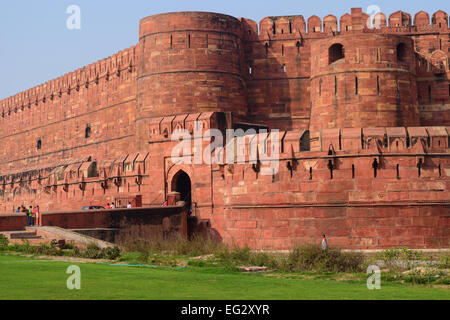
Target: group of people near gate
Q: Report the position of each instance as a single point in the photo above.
(33, 214)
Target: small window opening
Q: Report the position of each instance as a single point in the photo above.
(378, 85)
(284, 68)
(401, 52)
(267, 49)
(189, 41)
(310, 173)
(88, 132)
(282, 50)
(290, 27)
(320, 87)
(356, 85)
(335, 53)
(39, 144)
(335, 86)
(274, 27)
(375, 166)
(298, 46)
(398, 171)
(353, 171)
(429, 94)
(331, 168)
(419, 167)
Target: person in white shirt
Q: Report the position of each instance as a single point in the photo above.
(129, 205)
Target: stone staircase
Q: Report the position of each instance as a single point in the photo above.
(45, 235)
(19, 237)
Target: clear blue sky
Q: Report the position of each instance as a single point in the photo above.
(36, 46)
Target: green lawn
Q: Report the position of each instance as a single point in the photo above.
(22, 278)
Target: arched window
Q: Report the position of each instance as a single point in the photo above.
(87, 132)
(335, 53)
(39, 144)
(401, 52)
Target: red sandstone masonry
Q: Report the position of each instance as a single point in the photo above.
(387, 100)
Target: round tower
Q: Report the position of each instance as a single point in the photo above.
(190, 63)
(363, 80)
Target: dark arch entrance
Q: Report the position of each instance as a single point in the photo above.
(182, 183)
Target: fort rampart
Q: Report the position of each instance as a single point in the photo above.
(363, 114)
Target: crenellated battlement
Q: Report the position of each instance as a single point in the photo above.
(102, 70)
(400, 22)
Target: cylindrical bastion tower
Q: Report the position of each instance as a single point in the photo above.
(190, 62)
(360, 81)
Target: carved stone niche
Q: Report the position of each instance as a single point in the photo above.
(140, 163)
(375, 138)
(166, 127)
(72, 172)
(130, 163)
(291, 142)
(155, 129)
(207, 121)
(179, 122)
(119, 165)
(397, 139)
(191, 121)
(331, 137)
(439, 62)
(418, 135)
(351, 139)
(438, 138)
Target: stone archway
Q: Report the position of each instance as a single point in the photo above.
(181, 182)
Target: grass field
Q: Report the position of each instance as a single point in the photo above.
(25, 278)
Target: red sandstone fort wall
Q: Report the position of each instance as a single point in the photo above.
(101, 97)
(382, 109)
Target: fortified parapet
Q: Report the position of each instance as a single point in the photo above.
(191, 62)
(363, 80)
